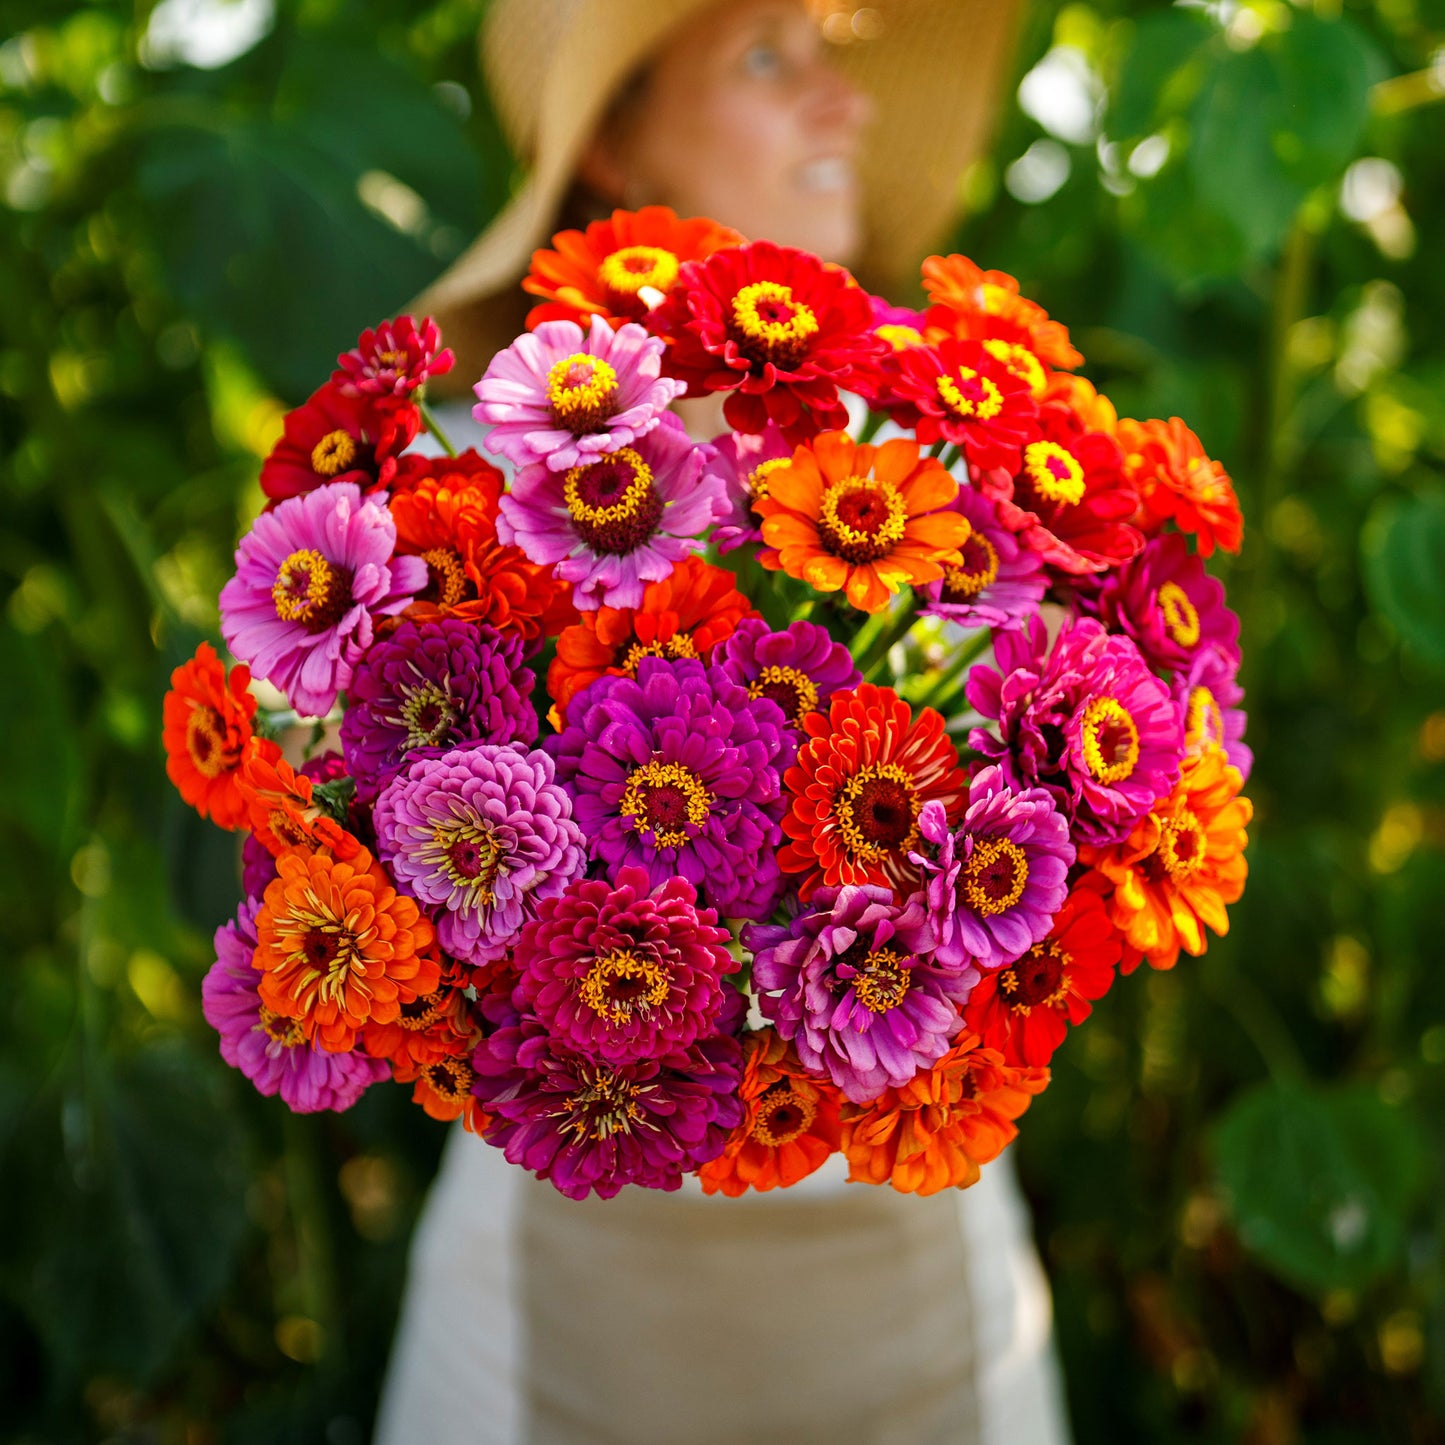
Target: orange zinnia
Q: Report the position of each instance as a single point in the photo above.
(339, 947)
(206, 732)
(937, 1130)
(432, 1026)
(280, 810)
(790, 1126)
(1183, 861)
(685, 615)
(865, 519)
(973, 304)
(607, 269)
(1175, 480)
(444, 1090)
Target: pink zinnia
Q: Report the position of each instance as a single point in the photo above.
(743, 461)
(394, 360)
(997, 584)
(310, 577)
(560, 398)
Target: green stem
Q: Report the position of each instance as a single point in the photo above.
(950, 457)
(871, 427)
(899, 621)
(943, 689)
(315, 1253)
(938, 448)
(430, 421)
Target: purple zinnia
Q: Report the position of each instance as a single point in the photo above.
(799, 669)
(998, 583)
(589, 1126)
(679, 771)
(310, 577)
(623, 971)
(430, 686)
(1208, 697)
(562, 399)
(850, 983)
(271, 1051)
(742, 463)
(611, 526)
(995, 882)
(258, 866)
(1086, 719)
(479, 836)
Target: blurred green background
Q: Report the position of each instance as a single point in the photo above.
(1239, 210)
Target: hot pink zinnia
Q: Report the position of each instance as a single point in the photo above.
(394, 360)
(310, 577)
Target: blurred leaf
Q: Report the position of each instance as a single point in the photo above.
(1404, 560)
(1163, 43)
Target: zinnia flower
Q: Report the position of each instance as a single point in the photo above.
(1086, 719)
(559, 398)
(443, 1087)
(935, 1131)
(900, 326)
(850, 984)
(283, 812)
(799, 669)
(859, 784)
(1208, 697)
(1183, 861)
(995, 881)
(745, 461)
(432, 1026)
(985, 305)
(269, 1049)
(1177, 482)
(1024, 1011)
(777, 329)
(338, 947)
(479, 836)
(997, 583)
(863, 520)
(611, 526)
(789, 1128)
(623, 971)
(207, 728)
(619, 268)
(429, 686)
(677, 771)
(396, 359)
(311, 577)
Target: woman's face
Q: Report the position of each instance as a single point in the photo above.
(744, 119)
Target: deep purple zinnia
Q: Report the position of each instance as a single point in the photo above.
(995, 882)
(850, 982)
(593, 1127)
(1085, 719)
(679, 771)
(1208, 696)
(271, 1051)
(743, 462)
(479, 836)
(997, 583)
(430, 686)
(611, 526)
(623, 971)
(310, 577)
(799, 669)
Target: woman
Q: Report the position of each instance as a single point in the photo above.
(824, 1312)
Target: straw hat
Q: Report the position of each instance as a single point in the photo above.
(932, 67)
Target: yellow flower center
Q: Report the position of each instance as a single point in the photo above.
(446, 576)
(861, 519)
(206, 741)
(994, 876)
(1110, 740)
(612, 502)
(451, 1078)
(427, 713)
(881, 982)
(678, 645)
(970, 396)
(333, 453)
(582, 391)
(627, 271)
(602, 1106)
(1020, 361)
(322, 947)
(1203, 719)
(283, 1031)
(793, 691)
(309, 590)
(620, 985)
(783, 1114)
(1055, 473)
(468, 855)
(877, 811)
(1181, 617)
(1037, 980)
(667, 800)
(1181, 848)
(422, 1012)
(773, 326)
(760, 474)
(979, 570)
(900, 338)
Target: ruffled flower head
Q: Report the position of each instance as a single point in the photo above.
(745, 461)
(432, 1026)
(396, 359)
(1177, 482)
(997, 582)
(283, 810)
(311, 578)
(799, 669)
(970, 303)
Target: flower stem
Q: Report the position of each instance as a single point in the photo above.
(895, 626)
(430, 422)
(871, 427)
(943, 689)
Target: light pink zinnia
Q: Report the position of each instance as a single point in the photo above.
(310, 576)
(561, 399)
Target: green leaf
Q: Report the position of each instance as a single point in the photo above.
(1163, 44)
(1403, 543)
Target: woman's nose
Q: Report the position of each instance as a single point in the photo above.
(838, 106)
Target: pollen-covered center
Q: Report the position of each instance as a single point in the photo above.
(283, 1031)
(1054, 473)
(206, 741)
(603, 1104)
(469, 855)
(423, 1011)
(680, 644)
(1020, 361)
(1182, 844)
(861, 519)
(969, 396)
(582, 392)
(446, 577)
(977, 570)
(994, 876)
(333, 454)
(624, 984)
(877, 811)
(770, 325)
(880, 977)
(793, 691)
(324, 947)
(1037, 980)
(900, 338)
(782, 1115)
(428, 713)
(625, 272)
(310, 590)
(1110, 740)
(451, 1078)
(1181, 617)
(759, 477)
(1203, 718)
(666, 800)
(613, 502)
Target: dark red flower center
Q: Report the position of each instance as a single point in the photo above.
(794, 691)
(451, 1078)
(667, 800)
(423, 1011)
(782, 1115)
(613, 503)
(1037, 979)
(861, 519)
(311, 591)
(770, 326)
(877, 810)
(446, 577)
(206, 741)
(979, 569)
(604, 1104)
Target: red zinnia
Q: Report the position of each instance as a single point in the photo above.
(857, 789)
(1175, 480)
(394, 360)
(986, 305)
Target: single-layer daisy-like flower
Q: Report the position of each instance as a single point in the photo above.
(799, 669)
(429, 686)
(678, 771)
(1085, 719)
(336, 437)
(432, 1026)
(396, 359)
(1024, 1011)
(560, 398)
(444, 1088)
(623, 971)
(479, 836)
(900, 326)
(611, 526)
(778, 330)
(851, 985)
(1208, 696)
(1177, 482)
(593, 1127)
(860, 782)
(338, 946)
(618, 268)
(863, 520)
(311, 578)
(789, 1128)
(745, 461)
(283, 811)
(935, 1131)
(986, 305)
(207, 729)
(997, 583)
(996, 880)
(1183, 861)
(685, 615)
(269, 1049)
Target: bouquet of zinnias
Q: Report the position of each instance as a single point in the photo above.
(669, 817)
